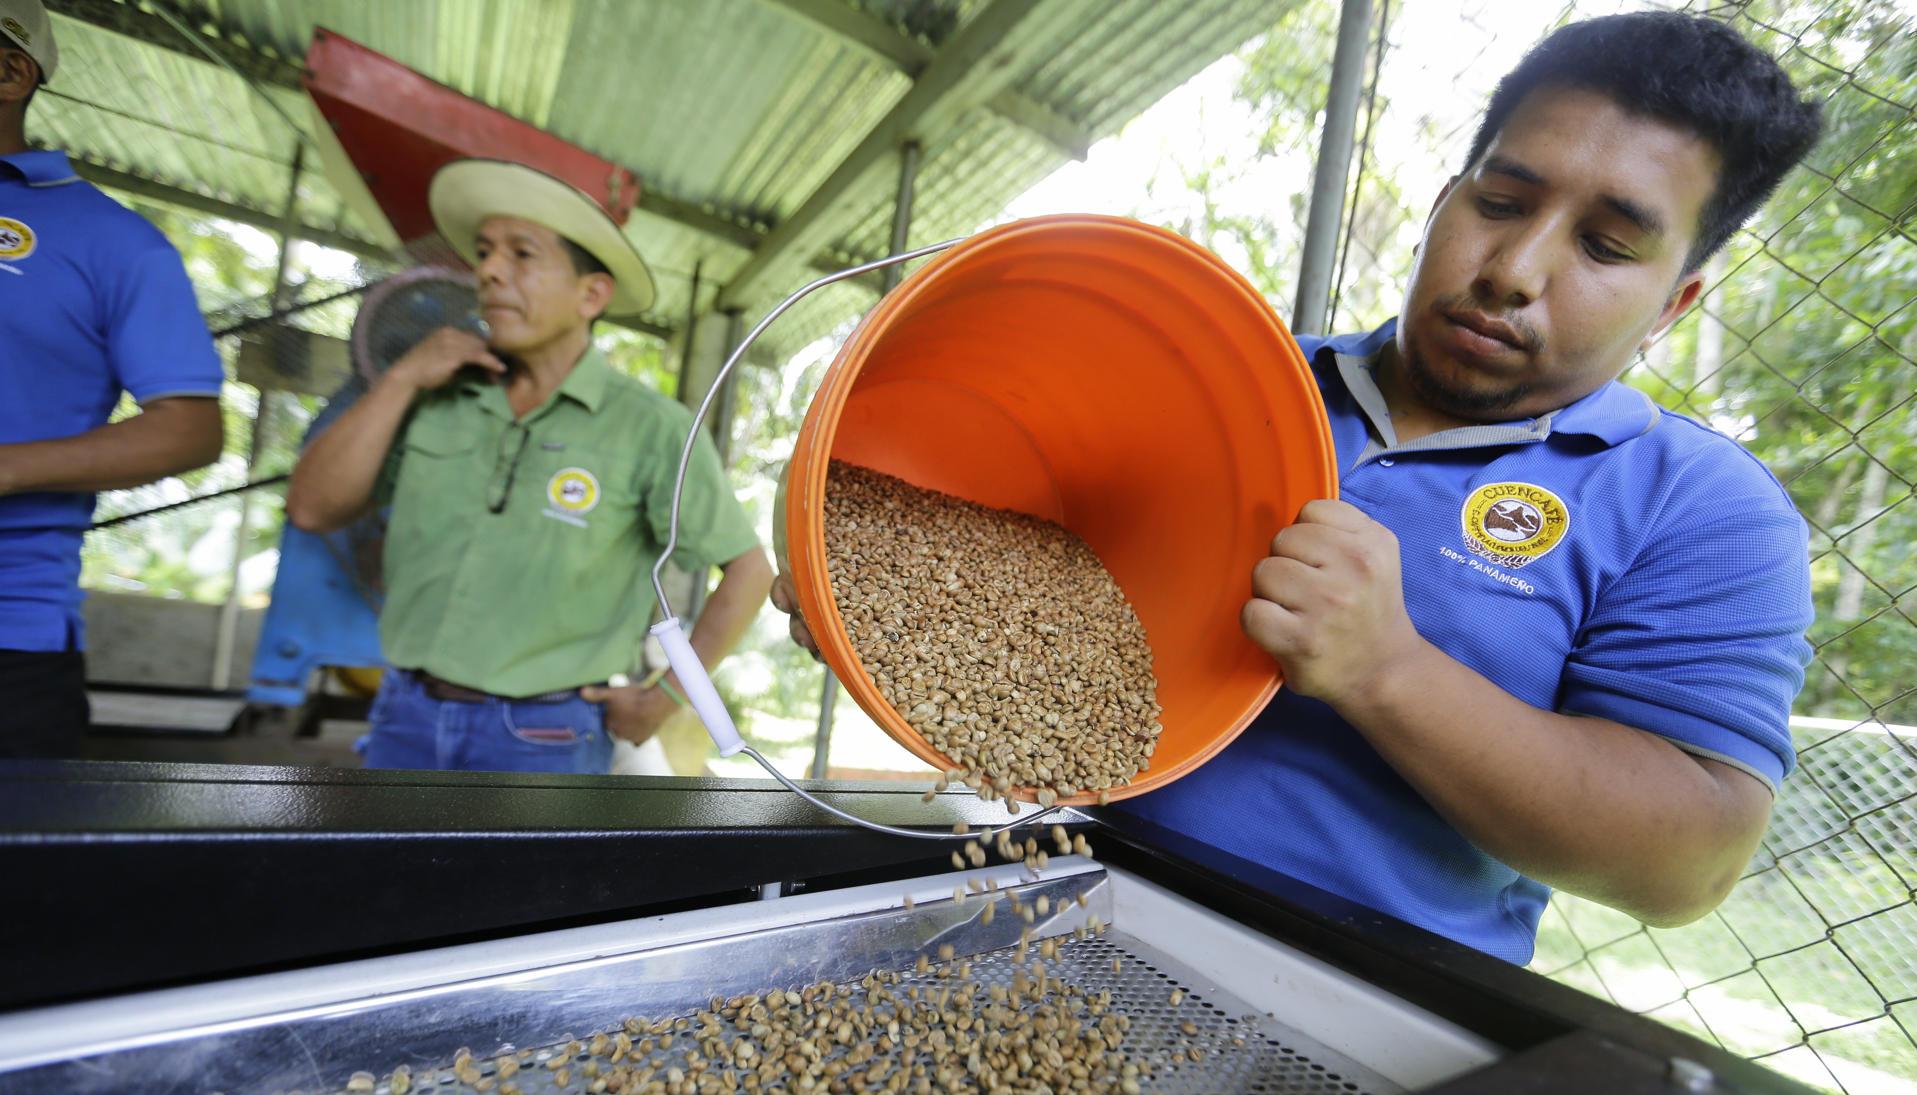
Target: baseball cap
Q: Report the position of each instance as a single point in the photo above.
(24, 23)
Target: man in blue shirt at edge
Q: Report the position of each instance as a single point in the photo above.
(93, 300)
(1550, 635)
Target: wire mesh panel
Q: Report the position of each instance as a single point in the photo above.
(154, 539)
(1803, 348)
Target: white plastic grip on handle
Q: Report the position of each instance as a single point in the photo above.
(697, 686)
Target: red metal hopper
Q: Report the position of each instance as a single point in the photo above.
(386, 128)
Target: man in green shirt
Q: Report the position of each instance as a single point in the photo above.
(531, 491)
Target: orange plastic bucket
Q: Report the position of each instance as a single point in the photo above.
(1107, 375)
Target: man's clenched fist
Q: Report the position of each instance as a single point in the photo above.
(1329, 603)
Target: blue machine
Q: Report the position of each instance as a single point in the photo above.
(327, 593)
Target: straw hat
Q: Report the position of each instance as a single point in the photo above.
(466, 192)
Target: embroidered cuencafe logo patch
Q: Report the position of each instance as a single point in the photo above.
(1514, 524)
(571, 493)
(16, 239)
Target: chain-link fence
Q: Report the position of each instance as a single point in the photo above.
(1804, 348)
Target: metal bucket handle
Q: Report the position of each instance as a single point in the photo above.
(693, 678)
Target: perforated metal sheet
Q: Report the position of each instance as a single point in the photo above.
(1238, 1052)
(1242, 1052)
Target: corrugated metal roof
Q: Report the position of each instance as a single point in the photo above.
(735, 109)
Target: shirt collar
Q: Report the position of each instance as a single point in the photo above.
(39, 167)
(1363, 345)
(1613, 414)
(585, 385)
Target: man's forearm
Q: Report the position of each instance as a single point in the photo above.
(1583, 804)
(335, 478)
(732, 607)
(167, 437)
(636, 711)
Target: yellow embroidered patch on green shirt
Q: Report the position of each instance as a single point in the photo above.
(519, 554)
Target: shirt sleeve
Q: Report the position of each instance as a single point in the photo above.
(1702, 641)
(713, 528)
(156, 341)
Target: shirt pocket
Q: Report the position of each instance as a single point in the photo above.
(439, 471)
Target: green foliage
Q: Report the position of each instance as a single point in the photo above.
(1818, 338)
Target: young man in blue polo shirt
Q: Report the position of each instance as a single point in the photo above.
(1550, 635)
(93, 301)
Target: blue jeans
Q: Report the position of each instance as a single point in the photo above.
(411, 729)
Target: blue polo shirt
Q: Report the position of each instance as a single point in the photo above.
(1609, 559)
(93, 301)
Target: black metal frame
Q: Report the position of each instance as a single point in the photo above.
(132, 876)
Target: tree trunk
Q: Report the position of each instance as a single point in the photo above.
(1825, 516)
(1658, 360)
(1856, 547)
(1707, 370)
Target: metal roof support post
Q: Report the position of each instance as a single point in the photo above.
(984, 57)
(289, 224)
(685, 394)
(227, 634)
(723, 411)
(904, 53)
(902, 212)
(822, 744)
(721, 425)
(699, 362)
(1334, 165)
(709, 337)
(901, 230)
(715, 334)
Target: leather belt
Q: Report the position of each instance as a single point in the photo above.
(441, 689)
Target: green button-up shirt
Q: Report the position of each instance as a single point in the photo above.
(519, 553)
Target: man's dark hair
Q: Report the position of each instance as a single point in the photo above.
(1687, 70)
(583, 261)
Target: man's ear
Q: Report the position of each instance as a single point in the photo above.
(595, 295)
(18, 75)
(1683, 295)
